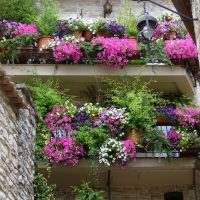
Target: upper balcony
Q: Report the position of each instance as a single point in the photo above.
(168, 79)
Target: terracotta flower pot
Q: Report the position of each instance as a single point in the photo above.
(43, 40)
(133, 135)
(171, 35)
(164, 121)
(78, 34)
(134, 41)
(88, 35)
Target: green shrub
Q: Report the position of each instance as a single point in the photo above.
(18, 10)
(42, 191)
(84, 192)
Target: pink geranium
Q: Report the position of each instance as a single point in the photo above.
(115, 51)
(63, 149)
(181, 49)
(67, 51)
(23, 29)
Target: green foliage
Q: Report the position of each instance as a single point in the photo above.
(155, 53)
(18, 10)
(12, 46)
(42, 191)
(136, 97)
(90, 51)
(46, 18)
(43, 134)
(46, 94)
(86, 193)
(92, 139)
(179, 100)
(155, 140)
(128, 20)
(189, 137)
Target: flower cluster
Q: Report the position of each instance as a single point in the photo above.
(181, 49)
(67, 51)
(114, 119)
(91, 110)
(23, 29)
(63, 149)
(68, 27)
(112, 27)
(80, 119)
(7, 27)
(58, 121)
(115, 51)
(173, 138)
(167, 111)
(116, 152)
(188, 115)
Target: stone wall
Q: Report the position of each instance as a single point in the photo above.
(196, 14)
(144, 193)
(91, 9)
(17, 134)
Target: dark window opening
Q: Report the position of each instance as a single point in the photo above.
(173, 196)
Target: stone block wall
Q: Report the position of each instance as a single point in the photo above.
(91, 9)
(144, 193)
(17, 134)
(196, 14)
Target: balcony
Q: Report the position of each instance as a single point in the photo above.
(169, 79)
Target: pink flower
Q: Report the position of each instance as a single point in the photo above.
(181, 49)
(129, 148)
(67, 51)
(63, 149)
(188, 115)
(23, 29)
(115, 51)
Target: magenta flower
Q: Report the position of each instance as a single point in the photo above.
(173, 138)
(23, 29)
(181, 49)
(115, 51)
(57, 120)
(129, 148)
(63, 149)
(67, 51)
(188, 115)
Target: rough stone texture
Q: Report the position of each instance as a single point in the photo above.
(17, 134)
(144, 193)
(92, 9)
(196, 14)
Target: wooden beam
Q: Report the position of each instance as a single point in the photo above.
(185, 7)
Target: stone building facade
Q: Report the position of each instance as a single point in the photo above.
(17, 135)
(92, 9)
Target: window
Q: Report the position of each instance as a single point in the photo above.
(173, 196)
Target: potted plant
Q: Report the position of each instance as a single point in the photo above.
(166, 115)
(116, 52)
(116, 152)
(180, 50)
(155, 53)
(89, 31)
(45, 21)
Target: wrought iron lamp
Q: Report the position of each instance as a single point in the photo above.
(146, 24)
(107, 8)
